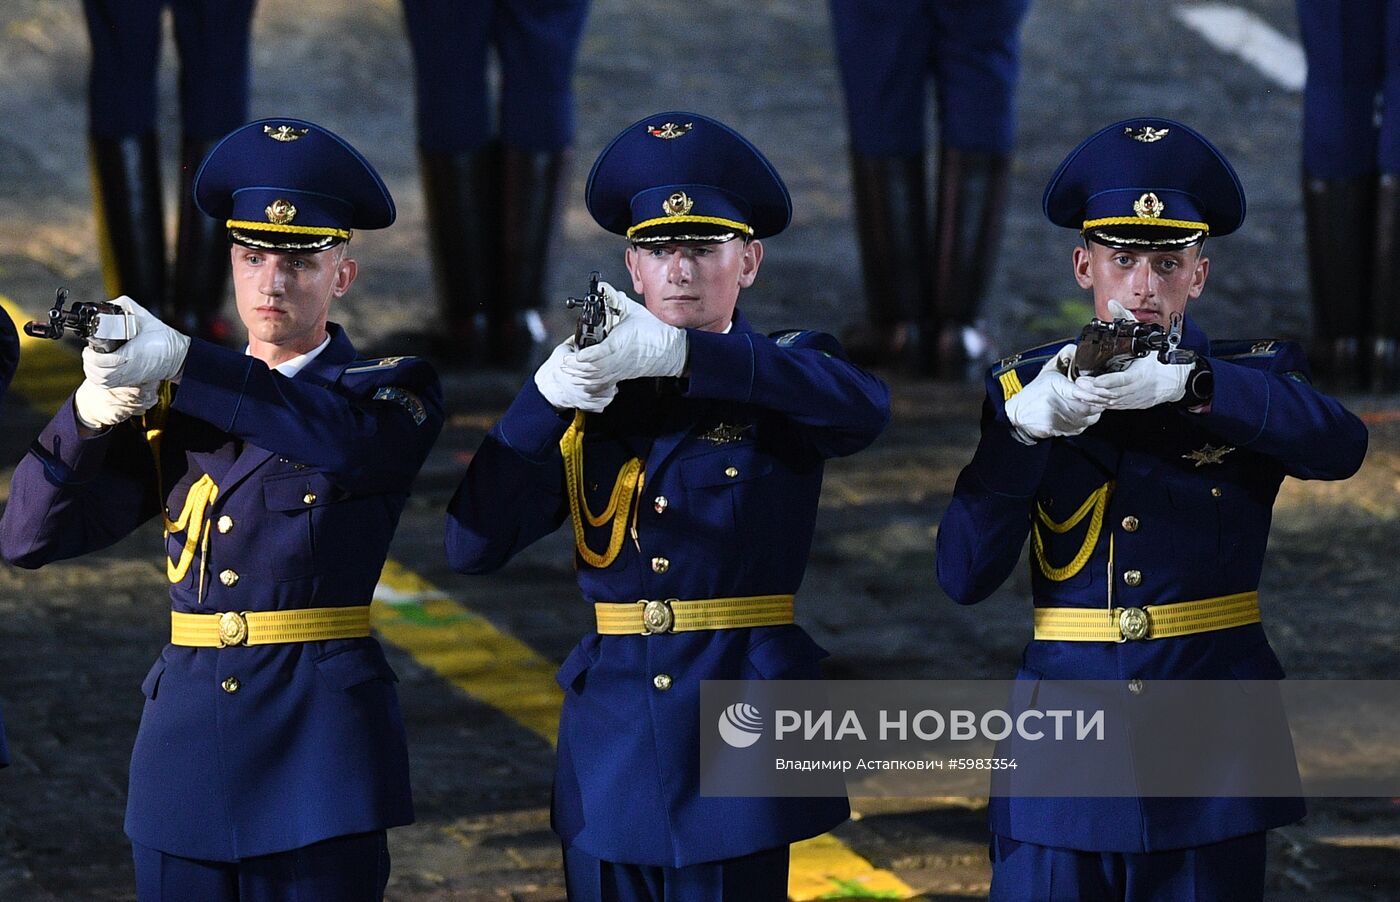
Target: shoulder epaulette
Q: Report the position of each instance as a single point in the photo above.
(1008, 370)
(1236, 348)
(1038, 354)
(370, 366)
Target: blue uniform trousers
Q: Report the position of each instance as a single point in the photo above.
(212, 39)
(351, 868)
(1353, 52)
(887, 51)
(536, 43)
(759, 877)
(1025, 872)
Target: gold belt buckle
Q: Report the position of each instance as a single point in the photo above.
(657, 616)
(233, 629)
(1133, 624)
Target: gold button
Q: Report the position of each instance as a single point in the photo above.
(225, 523)
(660, 564)
(1215, 491)
(1133, 577)
(660, 503)
(1130, 523)
(309, 497)
(1135, 686)
(662, 681)
(231, 685)
(228, 578)
(731, 472)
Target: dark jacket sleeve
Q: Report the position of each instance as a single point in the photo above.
(513, 490)
(371, 438)
(1271, 408)
(986, 523)
(802, 375)
(71, 495)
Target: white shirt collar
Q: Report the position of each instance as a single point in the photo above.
(290, 368)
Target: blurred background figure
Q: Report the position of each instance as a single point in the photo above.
(1351, 189)
(492, 170)
(922, 297)
(212, 39)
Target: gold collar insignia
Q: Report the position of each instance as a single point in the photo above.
(1208, 455)
(724, 434)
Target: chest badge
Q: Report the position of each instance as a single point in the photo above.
(1208, 455)
(725, 434)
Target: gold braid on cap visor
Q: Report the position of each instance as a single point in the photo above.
(1143, 221)
(287, 229)
(706, 220)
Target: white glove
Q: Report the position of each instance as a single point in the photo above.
(568, 392)
(156, 353)
(97, 407)
(640, 346)
(1049, 406)
(1146, 382)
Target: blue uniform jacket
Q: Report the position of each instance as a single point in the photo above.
(1192, 529)
(733, 471)
(9, 362)
(313, 472)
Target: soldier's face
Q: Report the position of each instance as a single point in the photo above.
(1152, 285)
(284, 297)
(691, 284)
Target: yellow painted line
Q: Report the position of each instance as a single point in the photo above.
(48, 371)
(824, 867)
(467, 651)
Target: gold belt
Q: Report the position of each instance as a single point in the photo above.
(672, 615)
(1160, 621)
(268, 627)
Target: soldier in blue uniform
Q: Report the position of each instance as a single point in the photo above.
(492, 171)
(1351, 188)
(212, 37)
(922, 298)
(1148, 495)
(9, 362)
(688, 450)
(271, 754)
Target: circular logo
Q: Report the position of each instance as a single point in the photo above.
(740, 725)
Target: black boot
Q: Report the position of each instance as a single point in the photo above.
(1341, 225)
(891, 227)
(130, 224)
(971, 207)
(1384, 341)
(460, 192)
(530, 205)
(201, 260)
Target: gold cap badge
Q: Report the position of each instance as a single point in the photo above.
(1146, 133)
(281, 212)
(284, 132)
(677, 204)
(1148, 206)
(669, 130)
